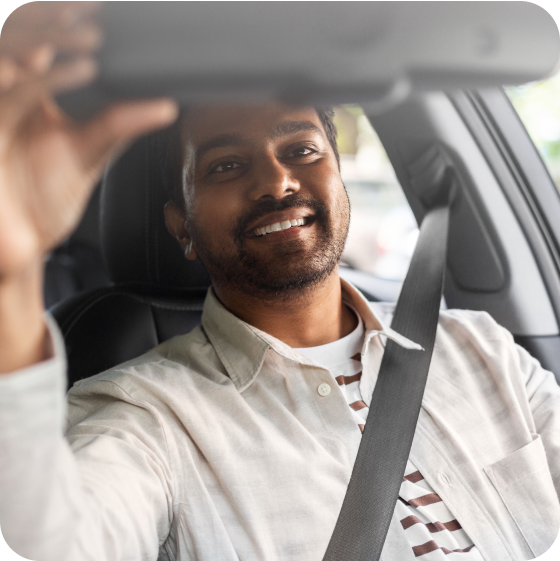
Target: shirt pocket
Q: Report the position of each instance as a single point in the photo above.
(524, 483)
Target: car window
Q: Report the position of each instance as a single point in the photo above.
(538, 106)
(383, 230)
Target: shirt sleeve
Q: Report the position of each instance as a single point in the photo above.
(103, 493)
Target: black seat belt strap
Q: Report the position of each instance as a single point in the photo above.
(374, 486)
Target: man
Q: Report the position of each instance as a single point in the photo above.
(237, 441)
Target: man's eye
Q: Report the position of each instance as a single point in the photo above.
(302, 151)
(225, 166)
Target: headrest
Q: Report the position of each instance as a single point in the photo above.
(135, 242)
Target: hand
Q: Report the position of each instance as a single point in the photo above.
(49, 164)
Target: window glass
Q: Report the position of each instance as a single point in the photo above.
(383, 230)
(538, 106)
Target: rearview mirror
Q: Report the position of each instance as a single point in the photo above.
(315, 52)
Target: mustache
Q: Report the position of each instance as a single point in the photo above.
(266, 206)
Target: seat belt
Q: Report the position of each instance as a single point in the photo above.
(378, 472)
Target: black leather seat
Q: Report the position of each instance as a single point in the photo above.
(73, 267)
(76, 264)
(156, 294)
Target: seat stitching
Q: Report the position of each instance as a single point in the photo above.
(178, 307)
(93, 297)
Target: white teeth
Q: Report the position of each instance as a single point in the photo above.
(279, 226)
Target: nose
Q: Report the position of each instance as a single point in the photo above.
(272, 180)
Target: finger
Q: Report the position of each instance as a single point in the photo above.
(8, 73)
(71, 75)
(66, 25)
(62, 14)
(40, 63)
(119, 124)
(41, 59)
(85, 37)
(73, 12)
(18, 101)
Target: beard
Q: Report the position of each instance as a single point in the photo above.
(287, 270)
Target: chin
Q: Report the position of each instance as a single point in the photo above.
(286, 281)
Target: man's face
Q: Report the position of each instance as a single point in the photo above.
(255, 169)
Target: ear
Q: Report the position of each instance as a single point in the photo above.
(175, 221)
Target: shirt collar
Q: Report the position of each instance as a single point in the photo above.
(242, 347)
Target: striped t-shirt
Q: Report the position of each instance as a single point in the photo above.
(432, 531)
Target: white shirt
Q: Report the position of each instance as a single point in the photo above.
(216, 445)
(433, 533)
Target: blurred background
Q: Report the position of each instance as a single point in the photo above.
(383, 231)
(538, 105)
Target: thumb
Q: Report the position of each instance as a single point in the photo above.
(101, 137)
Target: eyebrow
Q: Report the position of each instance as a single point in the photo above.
(291, 127)
(220, 141)
(236, 139)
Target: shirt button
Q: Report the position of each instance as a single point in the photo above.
(324, 390)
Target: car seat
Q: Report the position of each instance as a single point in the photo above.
(156, 293)
(76, 264)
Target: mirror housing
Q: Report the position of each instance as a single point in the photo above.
(374, 53)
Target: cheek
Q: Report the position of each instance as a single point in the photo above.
(340, 210)
(212, 217)
(324, 182)
(337, 199)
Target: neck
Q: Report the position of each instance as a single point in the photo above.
(309, 319)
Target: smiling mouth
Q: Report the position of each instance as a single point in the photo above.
(280, 226)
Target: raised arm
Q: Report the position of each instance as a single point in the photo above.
(109, 498)
(49, 164)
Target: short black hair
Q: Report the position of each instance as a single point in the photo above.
(170, 146)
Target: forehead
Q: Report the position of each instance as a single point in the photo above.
(203, 122)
